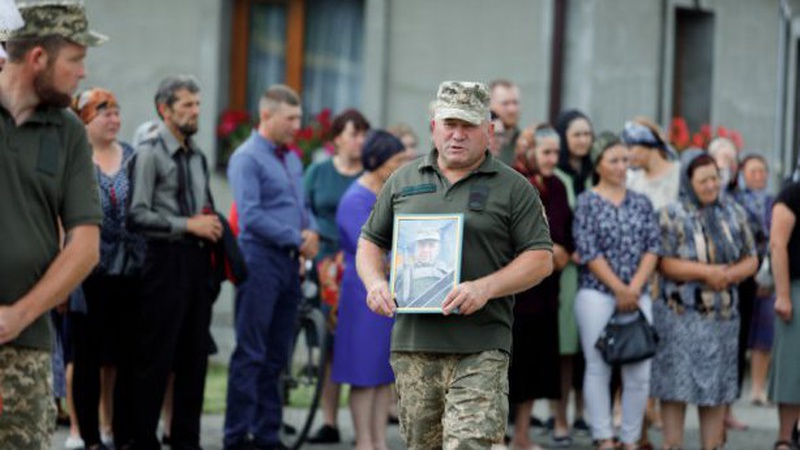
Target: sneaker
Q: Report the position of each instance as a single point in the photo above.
(580, 426)
(73, 443)
(326, 434)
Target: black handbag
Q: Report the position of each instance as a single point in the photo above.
(627, 338)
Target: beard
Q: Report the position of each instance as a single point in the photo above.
(45, 89)
(187, 129)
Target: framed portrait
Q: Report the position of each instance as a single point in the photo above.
(426, 260)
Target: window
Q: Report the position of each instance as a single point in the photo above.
(694, 52)
(314, 46)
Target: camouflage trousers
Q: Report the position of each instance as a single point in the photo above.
(452, 401)
(28, 416)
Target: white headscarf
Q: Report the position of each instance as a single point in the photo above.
(9, 19)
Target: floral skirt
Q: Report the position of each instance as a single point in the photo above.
(696, 359)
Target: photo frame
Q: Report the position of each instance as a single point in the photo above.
(426, 260)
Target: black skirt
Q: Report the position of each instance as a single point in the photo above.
(534, 372)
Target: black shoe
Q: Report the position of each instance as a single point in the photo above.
(245, 444)
(581, 427)
(288, 429)
(165, 440)
(326, 434)
(536, 422)
(550, 424)
(393, 420)
(796, 434)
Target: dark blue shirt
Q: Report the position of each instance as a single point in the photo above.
(621, 234)
(268, 190)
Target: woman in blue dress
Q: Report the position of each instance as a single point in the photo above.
(363, 337)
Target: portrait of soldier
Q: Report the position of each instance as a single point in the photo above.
(425, 280)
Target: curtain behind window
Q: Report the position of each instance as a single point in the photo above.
(332, 72)
(267, 52)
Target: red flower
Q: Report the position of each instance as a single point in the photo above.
(722, 132)
(679, 135)
(736, 137)
(705, 130)
(698, 140)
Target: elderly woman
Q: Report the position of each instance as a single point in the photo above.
(708, 249)
(363, 338)
(757, 202)
(99, 334)
(618, 243)
(534, 370)
(784, 242)
(574, 169)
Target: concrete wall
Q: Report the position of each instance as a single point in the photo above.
(611, 60)
(413, 45)
(150, 40)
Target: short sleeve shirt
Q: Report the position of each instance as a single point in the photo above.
(46, 174)
(503, 217)
(620, 234)
(790, 196)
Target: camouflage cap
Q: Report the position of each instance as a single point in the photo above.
(602, 142)
(427, 234)
(65, 19)
(464, 100)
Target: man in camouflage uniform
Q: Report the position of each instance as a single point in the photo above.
(46, 179)
(417, 283)
(452, 369)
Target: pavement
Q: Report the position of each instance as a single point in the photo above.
(760, 435)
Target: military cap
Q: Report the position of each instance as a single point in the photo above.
(427, 235)
(55, 18)
(464, 100)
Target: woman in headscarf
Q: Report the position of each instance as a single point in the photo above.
(575, 171)
(101, 336)
(362, 341)
(534, 370)
(708, 249)
(757, 202)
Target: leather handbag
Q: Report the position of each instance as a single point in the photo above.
(627, 338)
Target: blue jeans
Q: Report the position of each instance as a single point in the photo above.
(266, 310)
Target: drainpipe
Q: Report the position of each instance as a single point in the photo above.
(557, 57)
(664, 121)
(784, 16)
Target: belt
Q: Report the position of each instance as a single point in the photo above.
(291, 252)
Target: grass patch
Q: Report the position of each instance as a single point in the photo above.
(217, 389)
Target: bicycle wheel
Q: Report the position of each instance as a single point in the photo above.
(303, 379)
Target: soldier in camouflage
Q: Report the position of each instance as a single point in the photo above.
(451, 369)
(46, 179)
(416, 280)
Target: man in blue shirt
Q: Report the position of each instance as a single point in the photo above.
(277, 229)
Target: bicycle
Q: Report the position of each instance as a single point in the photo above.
(303, 377)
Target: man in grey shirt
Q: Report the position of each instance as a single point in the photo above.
(171, 206)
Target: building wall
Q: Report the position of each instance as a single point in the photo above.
(413, 45)
(150, 40)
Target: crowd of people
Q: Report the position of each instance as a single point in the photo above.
(565, 227)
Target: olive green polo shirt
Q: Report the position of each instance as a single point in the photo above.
(503, 217)
(46, 173)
